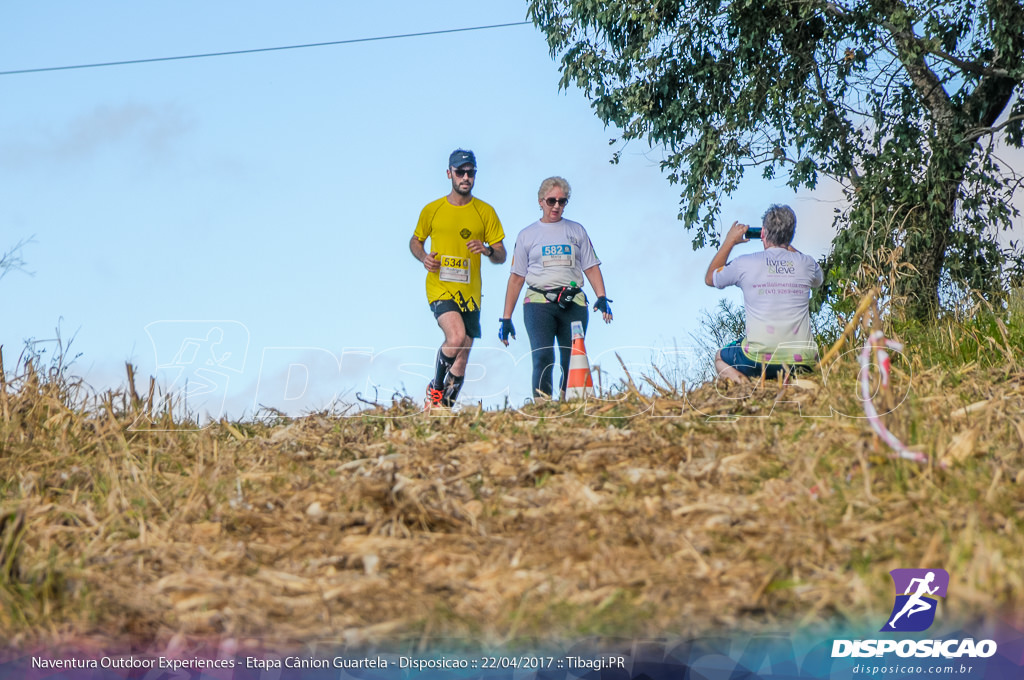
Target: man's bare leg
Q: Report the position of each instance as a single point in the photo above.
(456, 347)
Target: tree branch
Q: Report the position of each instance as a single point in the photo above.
(978, 133)
(925, 81)
(12, 260)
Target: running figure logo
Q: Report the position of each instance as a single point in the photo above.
(196, 361)
(916, 593)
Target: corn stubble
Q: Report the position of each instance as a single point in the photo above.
(654, 511)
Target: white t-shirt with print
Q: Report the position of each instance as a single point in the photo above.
(776, 285)
(553, 254)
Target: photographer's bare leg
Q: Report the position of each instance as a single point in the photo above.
(727, 371)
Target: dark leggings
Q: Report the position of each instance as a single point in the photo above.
(546, 321)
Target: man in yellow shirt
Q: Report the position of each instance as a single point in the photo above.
(458, 226)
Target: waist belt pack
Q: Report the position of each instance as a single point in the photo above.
(563, 296)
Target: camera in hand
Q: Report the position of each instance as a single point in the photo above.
(752, 233)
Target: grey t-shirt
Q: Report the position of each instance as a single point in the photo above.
(553, 254)
(776, 285)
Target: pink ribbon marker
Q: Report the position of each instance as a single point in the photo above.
(879, 342)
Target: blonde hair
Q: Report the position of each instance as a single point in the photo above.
(552, 182)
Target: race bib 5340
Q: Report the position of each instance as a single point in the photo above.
(454, 269)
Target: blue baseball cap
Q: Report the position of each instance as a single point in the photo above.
(460, 157)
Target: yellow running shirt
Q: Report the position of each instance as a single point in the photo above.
(449, 227)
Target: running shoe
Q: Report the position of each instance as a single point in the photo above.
(434, 396)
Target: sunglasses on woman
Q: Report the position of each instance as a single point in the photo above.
(552, 201)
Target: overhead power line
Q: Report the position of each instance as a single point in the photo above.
(259, 49)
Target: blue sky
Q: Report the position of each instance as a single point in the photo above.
(242, 222)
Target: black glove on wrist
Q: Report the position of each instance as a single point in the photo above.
(506, 330)
(602, 305)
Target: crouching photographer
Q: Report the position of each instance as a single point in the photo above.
(776, 285)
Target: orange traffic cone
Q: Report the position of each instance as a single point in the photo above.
(580, 384)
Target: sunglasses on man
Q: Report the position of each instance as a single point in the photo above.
(459, 172)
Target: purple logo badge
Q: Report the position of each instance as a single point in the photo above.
(917, 591)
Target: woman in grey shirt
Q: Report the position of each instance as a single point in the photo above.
(551, 258)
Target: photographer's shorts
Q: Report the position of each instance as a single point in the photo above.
(734, 355)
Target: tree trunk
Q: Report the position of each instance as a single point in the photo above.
(929, 233)
(925, 251)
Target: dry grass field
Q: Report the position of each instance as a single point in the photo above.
(658, 510)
